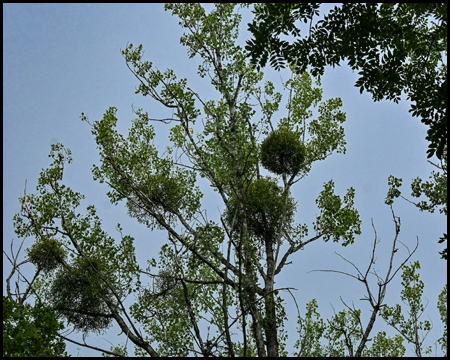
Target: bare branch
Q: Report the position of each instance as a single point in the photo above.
(89, 346)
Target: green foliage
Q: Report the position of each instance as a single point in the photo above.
(337, 221)
(202, 261)
(165, 324)
(393, 192)
(80, 295)
(212, 275)
(327, 133)
(30, 331)
(344, 329)
(340, 335)
(282, 152)
(311, 330)
(442, 307)
(118, 351)
(47, 254)
(163, 188)
(84, 288)
(412, 296)
(386, 346)
(434, 190)
(266, 206)
(396, 48)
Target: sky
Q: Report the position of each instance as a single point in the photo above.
(60, 60)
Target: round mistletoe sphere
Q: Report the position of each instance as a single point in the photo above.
(46, 254)
(282, 152)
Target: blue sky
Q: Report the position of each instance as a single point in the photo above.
(60, 60)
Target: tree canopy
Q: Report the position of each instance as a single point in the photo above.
(211, 290)
(397, 48)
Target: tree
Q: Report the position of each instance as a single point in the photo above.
(212, 291)
(394, 47)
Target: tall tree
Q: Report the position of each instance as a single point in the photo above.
(396, 48)
(212, 290)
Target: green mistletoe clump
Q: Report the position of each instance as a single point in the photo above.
(265, 205)
(282, 152)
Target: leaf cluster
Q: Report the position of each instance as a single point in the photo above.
(30, 331)
(266, 206)
(338, 218)
(435, 190)
(411, 294)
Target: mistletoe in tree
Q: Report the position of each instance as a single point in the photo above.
(216, 274)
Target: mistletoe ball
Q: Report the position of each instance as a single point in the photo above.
(265, 207)
(282, 152)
